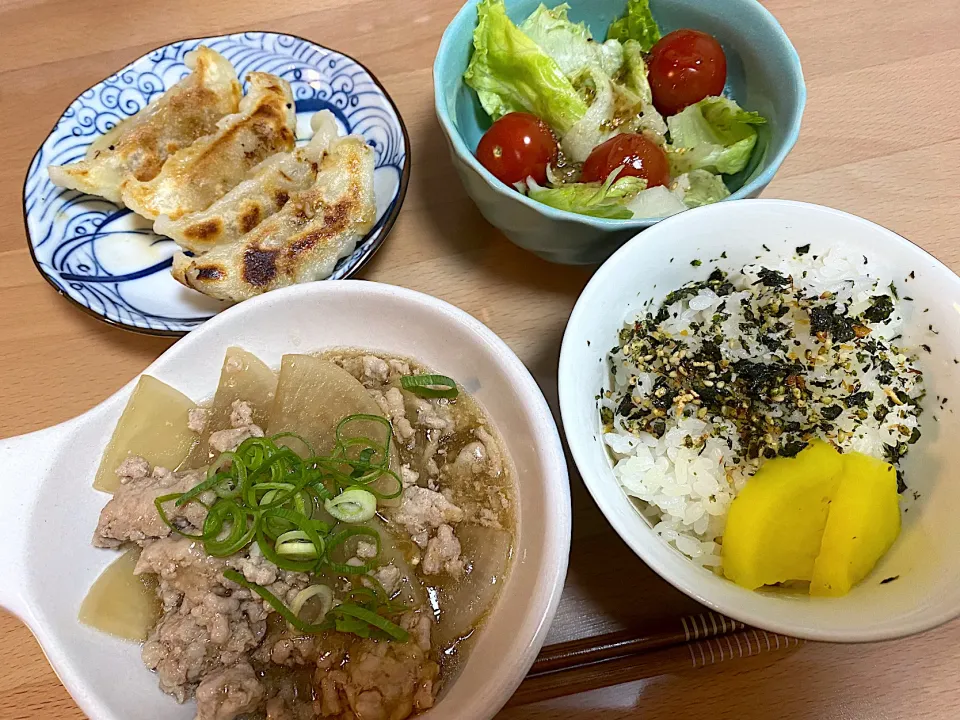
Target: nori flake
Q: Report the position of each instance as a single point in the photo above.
(792, 447)
(901, 485)
(832, 412)
(880, 309)
(858, 399)
(771, 278)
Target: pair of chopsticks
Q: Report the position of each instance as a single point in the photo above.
(596, 662)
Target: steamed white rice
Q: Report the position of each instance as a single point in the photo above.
(686, 478)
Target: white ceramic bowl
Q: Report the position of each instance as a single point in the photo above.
(50, 510)
(926, 556)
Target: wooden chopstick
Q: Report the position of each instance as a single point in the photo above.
(585, 651)
(604, 660)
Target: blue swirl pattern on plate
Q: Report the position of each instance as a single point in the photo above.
(108, 260)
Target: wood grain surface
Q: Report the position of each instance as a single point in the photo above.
(881, 138)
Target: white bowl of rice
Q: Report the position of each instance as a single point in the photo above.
(847, 331)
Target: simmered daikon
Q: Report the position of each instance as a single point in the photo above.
(464, 602)
(244, 377)
(121, 603)
(313, 396)
(153, 426)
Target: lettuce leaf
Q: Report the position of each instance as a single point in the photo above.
(637, 24)
(510, 72)
(634, 100)
(633, 72)
(699, 187)
(570, 45)
(715, 135)
(603, 201)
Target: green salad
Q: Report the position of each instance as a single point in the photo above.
(635, 126)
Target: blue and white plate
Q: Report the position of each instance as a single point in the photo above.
(108, 261)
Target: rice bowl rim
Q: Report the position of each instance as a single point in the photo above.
(764, 611)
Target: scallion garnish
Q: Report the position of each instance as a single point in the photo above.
(430, 386)
(264, 492)
(352, 506)
(323, 592)
(359, 618)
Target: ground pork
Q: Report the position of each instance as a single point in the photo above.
(131, 515)
(418, 624)
(230, 691)
(389, 577)
(193, 640)
(392, 404)
(241, 414)
(227, 440)
(408, 476)
(434, 416)
(209, 621)
(443, 554)
(422, 510)
(494, 456)
(375, 370)
(133, 467)
(241, 428)
(382, 681)
(197, 419)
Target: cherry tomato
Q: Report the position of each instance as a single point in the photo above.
(685, 67)
(639, 156)
(516, 146)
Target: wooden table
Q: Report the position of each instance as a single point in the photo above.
(881, 138)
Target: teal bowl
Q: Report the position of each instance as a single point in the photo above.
(763, 74)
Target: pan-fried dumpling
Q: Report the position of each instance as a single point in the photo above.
(137, 147)
(270, 185)
(193, 178)
(301, 242)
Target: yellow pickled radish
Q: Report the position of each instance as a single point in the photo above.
(775, 525)
(863, 523)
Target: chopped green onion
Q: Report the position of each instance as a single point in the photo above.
(352, 506)
(266, 493)
(370, 617)
(335, 541)
(158, 503)
(297, 544)
(323, 592)
(348, 617)
(226, 513)
(276, 604)
(430, 386)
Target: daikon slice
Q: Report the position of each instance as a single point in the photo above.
(243, 377)
(396, 551)
(464, 602)
(121, 603)
(153, 426)
(313, 396)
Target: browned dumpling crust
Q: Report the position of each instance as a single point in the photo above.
(269, 187)
(193, 178)
(301, 242)
(137, 148)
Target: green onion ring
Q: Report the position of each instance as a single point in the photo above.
(352, 506)
(430, 386)
(276, 604)
(340, 538)
(301, 598)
